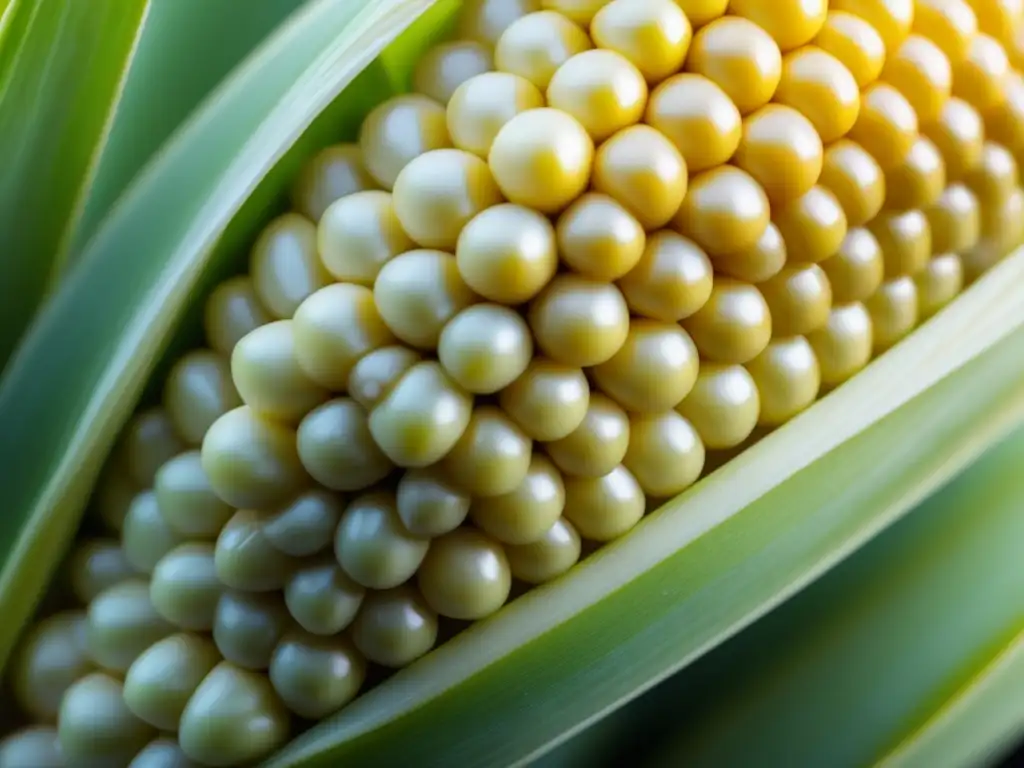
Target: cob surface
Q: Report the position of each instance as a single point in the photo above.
(520, 310)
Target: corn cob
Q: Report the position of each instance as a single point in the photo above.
(496, 331)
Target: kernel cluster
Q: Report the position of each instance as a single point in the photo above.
(602, 246)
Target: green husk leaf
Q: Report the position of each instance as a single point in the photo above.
(6, 19)
(53, 123)
(908, 654)
(186, 47)
(983, 719)
(86, 360)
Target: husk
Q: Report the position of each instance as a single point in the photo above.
(908, 654)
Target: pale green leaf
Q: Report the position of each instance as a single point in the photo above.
(984, 718)
(6, 23)
(185, 48)
(53, 121)
(80, 370)
(909, 654)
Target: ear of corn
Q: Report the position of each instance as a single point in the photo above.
(911, 653)
(692, 573)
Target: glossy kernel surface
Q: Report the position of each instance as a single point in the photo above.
(854, 43)
(653, 370)
(949, 24)
(918, 181)
(465, 576)
(980, 77)
(643, 171)
(665, 453)
(723, 405)
(332, 173)
(400, 129)
(438, 192)
(598, 237)
(507, 253)
(758, 263)
(358, 234)
(696, 115)
(448, 65)
(421, 417)
(856, 270)
(843, 345)
(892, 18)
(527, 512)
(959, 134)
(740, 57)
(954, 220)
(782, 151)
(922, 73)
(534, 46)
(787, 377)
(813, 225)
(886, 125)
(799, 299)
(602, 89)
(418, 292)
(337, 449)
(482, 104)
(284, 264)
(654, 35)
(905, 240)
(894, 312)
(333, 328)
(702, 12)
(818, 85)
(938, 283)
(725, 211)
(597, 445)
(672, 279)
(549, 400)
(578, 321)
(486, 20)
(791, 23)
(542, 158)
(734, 326)
(492, 456)
(854, 177)
(485, 348)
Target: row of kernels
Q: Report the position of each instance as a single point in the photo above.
(948, 24)
(127, 613)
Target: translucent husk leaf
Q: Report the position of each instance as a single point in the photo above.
(983, 719)
(911, 653)
(52, 127)
(185, 48)
(81, 368)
